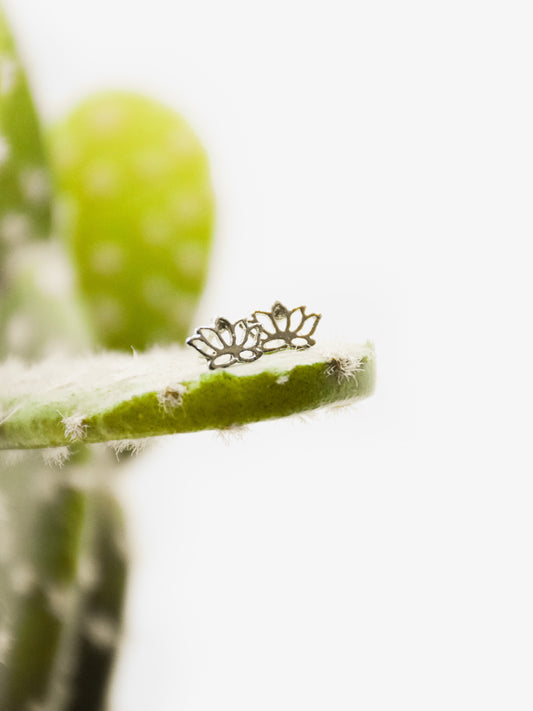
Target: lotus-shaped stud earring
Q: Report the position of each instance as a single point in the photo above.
(281, 328)
(228, 343)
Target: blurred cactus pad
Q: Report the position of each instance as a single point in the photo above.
(24, 173)
(136, 209)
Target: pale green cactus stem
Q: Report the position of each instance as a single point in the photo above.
(34, 306)
(102, 578)
(112, 397)
(62, 574)
(53, 643)
(41, 539)
(24, 174)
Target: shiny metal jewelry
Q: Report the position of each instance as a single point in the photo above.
(228, 343)
(281, 328)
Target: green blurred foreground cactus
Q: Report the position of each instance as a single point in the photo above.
(105, 232)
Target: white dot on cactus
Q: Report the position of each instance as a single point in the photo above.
(133, 446)
(101, 178)
(282, 379)
(101, 630)
(188, 208)
(109, 312)
(59, 600)
(107, 259)
(8, 74)
(75, 427)
(22, 578)
(149, 165)
(53, 276)
(190, 258)
(20, 332)
(156, 228)
(88, 573)
(171, 397)
(158, 291)
(182, 143)
(35, 185)
(15, 228)
(4, 150)
(6, 640)
(345, 368)
(56, 456)
(107, 118)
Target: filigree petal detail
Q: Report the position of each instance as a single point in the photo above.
(253, 337)
(226, 333)
(309, 325)
(292, 328)
(228, 343)
(297, 318)
(211, 336)
(274, 344)
(224, 360)
(202, 347)
(241, 331)
(266, 321)
(248, 355)
(282, 324)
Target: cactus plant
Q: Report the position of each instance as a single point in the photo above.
(121, 266)
(119, 396)
(24, 174)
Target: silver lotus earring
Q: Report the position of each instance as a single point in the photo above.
(281, 328)
(228, 343)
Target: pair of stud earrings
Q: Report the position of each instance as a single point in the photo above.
(250, 338)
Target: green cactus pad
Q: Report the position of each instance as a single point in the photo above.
(116, 397)
(24, 175)
(103, 573)
(42, 523)
(136, 209)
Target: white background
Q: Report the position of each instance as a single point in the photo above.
(375, 162)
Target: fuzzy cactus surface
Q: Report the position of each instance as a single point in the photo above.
(113, 397)
(105, 235)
